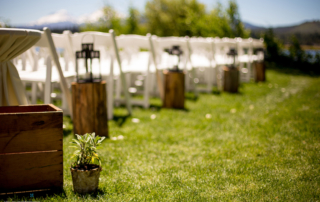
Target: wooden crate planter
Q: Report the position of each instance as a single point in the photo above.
(90, 108)
(230, 79)
(174, 89)
(31, 155)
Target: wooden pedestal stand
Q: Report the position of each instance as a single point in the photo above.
(230, 79)
(260, 71)
(173, 89)
(90, 108)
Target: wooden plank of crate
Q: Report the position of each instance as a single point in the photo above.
(30, 121)
(31, 171)
(32, 140)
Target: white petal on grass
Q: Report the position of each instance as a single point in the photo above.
(114, 138)
(233, 111)
(153, 116)
(64, 126)
(120, 137)
(208, 116)
(135, 120)
(251, 107)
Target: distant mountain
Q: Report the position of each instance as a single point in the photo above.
(62, 20)
(55, 25)
(308, 33)
(251, 26)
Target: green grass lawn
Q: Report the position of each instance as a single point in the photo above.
(262, 144)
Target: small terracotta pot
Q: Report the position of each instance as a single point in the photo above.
(85, 181)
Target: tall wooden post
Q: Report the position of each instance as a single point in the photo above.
(230, 79)
(90, 108)
(173, 89)
(260, 71)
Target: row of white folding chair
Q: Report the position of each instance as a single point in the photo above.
(43, 69)
(45, 74)
(136, 65)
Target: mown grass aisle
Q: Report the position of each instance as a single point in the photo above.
(261, 144)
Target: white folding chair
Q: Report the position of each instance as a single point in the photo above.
(44, 74)
(136, 65)
(202, 60)
(245, 52)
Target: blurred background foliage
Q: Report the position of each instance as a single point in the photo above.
(294, 57)
(174, 18)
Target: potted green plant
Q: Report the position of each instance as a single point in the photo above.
(85, 173)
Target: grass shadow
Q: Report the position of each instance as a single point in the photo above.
(285, 69)
(33, 195)
(120, 119)
(93, 195)
(191, 97)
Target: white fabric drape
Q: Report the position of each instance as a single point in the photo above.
(13, 42)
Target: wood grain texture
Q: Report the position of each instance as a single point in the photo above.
(32, 140)
(30, 121)
(90, 108)
(230, 79)
(174, 90)
(31, 171)
(100, 109)
(260, 71)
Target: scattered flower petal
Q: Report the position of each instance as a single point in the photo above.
(120, 137)
(64, 126)
(233, 111)
(153, 116)
(251, 107)
(135, 120)
(208, 116)
(113, 138)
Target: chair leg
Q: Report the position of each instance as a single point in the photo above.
(47, 88)
(110, 92)
(34, 93)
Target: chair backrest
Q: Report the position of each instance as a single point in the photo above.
(201, 51)
(134, 48)
(221, 47)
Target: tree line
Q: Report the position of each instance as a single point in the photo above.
(174, 18)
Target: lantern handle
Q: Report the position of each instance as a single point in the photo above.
(86, 35)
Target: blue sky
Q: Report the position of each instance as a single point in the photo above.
(259, 12)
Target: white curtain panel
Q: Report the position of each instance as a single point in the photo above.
(13, 42)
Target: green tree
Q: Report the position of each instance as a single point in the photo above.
(134, 24)
(274, 47)
(110, 20)
(174, 17)
(237, 26)
(295, 50)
